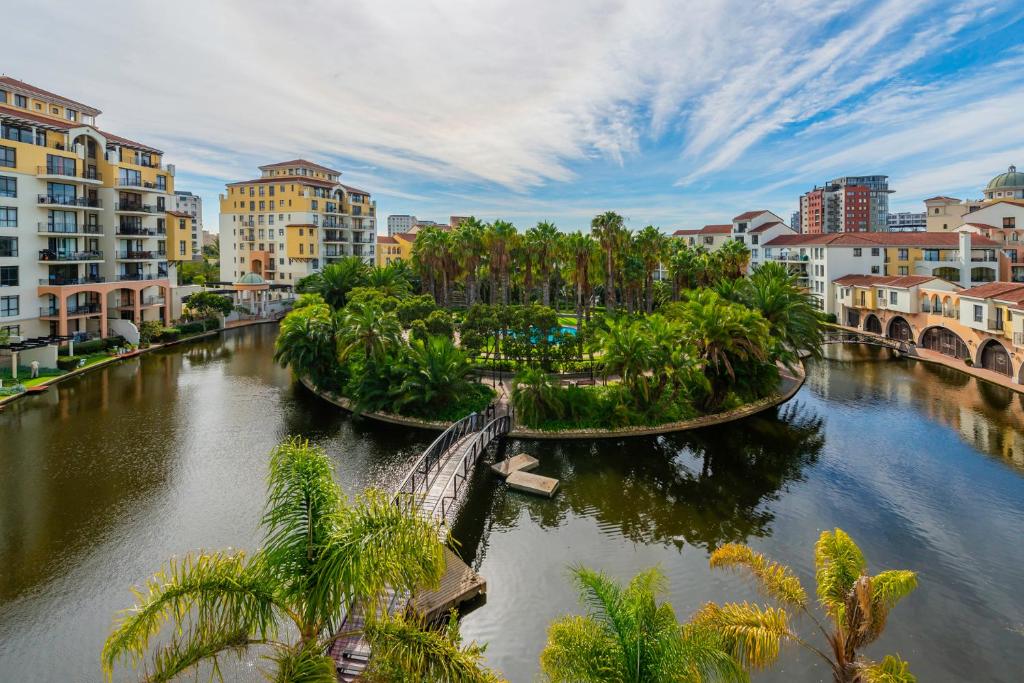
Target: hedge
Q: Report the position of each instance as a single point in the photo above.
(94, 346)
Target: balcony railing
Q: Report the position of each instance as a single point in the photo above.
(146, 185)
(947, 258)
(55, 281)
(138, 255)
(134, 277)
(51, 255)
(57, 170)
(77, 202)
(995, 325)
(70, 229)
(137, 207)
(73, 309)
(140, 232)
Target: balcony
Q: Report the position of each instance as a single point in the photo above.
(88, 175)
(139, 255)
(136, 207)
(72, 202)
(73, 310)
(994, 326)
(68, 229)
(55, 281)
(69, 256)
(136, 277)
(136, 231)
(138, 185)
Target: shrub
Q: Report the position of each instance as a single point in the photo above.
(148, 332)
(831, 318)
(11, 389)
(211, 324)
(167, 334)
(415, 308)
(439, 323)
(194, 327)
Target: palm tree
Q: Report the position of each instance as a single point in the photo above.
(725, 335)
(628, 637)
(733, 257)
(544, 239)
(580, 250)
(305, 342)
(500, 239)
(437, 374)
(787, 307)
(469, 248)
(632, 275)
(535, 397)
(367, 328)
(320, 555)
(856, 604)
(429, 252)
(652, 246)
(682, 264)
(627, 353)
(391, 279)
(607, 229)
(337, 279)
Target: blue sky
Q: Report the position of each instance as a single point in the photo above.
(675, 114)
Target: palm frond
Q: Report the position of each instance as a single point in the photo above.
(705, 655)
(889, 587)
(211, 597)
(304, 665)
(752, 634)
(179, 655)
(838, 563)
(892, 669)
(581, 650)
(776, 580)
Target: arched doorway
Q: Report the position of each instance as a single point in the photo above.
(946, 342)
(993, 356)
(900, 329)
(872, 324)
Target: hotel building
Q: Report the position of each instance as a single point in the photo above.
(291, 221)
(87, 242)
(191, 205)
(847, 204)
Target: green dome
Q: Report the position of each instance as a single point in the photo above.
(252, 279)
(1012, 178)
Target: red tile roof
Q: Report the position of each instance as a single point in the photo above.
(125, 142)
(750, 214)
(68, 125)
(936, 240)
(985, 226)
(355, 190)
(282, 179)
(942, 198)
(46, 94)
(706, 230)
(407, 236)
(900, 281)
(1012, 292)
(179, 214)
(765, 226)
(385, 239)
(300, 162)
(997, 201)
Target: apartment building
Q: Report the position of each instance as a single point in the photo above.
(907, 221)
(847, 204)
(191, 205)
(710, 237)
(401, 223)
(292, 220)
(962, 258)
(755, 228)
(389, 250)
(84, 220)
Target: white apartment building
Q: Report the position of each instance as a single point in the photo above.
(710, 237)
(755, 228)
(401, 223)
(907, 221)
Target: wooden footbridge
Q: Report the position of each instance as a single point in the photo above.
(869, 338)
(434, 487)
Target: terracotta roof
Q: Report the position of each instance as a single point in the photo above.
(942, 198)
(900, 281)
(21, 85)
(179, 214)
(385, 239)
(750, 214)
(300, 162)
(983, 225)
(68, 125)
(1012, 292)
(765, 226)
(993, 203)
(125, 142)
(282, 179)
(718, 229)
(356, 190)
(36, 118)
(407, 236)
(936, 240)
(683, 233)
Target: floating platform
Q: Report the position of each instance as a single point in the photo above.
(517, 463)
(458, 585)
(533, 483)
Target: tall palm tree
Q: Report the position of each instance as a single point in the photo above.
(306, 342)
(632, 269)
(544, 239)
(652, 246)
(391, 279)
(857, 605)
(580, 250)
(337, 279)
(607, 229)
(627, 636)
(428, 256)
(500, 239)
(733, 256)
(320, 555)
(469, 248)
(367, 329)
(788, 308)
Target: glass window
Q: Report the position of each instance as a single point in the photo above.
(977, 314)
(3, 96)
(874, 251)
(857, 251)
(9, 306)
(8, 217)
(8, 276)
(8, 156)
(8, 246)
(892, 297)
(57, 165)
(8, 186)
(20, 101)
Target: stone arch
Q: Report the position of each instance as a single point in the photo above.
(983, 274)
(992, 355)
(948, 309)
(945, 341)
(872, 324)
(900, 329)
(947, 273)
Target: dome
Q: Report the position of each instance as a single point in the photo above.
(251, 279)
(1011, 179)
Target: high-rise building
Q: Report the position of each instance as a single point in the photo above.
(847, 204)
(907, 221)
(794, 221)
(291, 221)
(400, 223)
(105, 242)
(191, 204)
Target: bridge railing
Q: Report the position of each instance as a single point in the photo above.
(494, 430)
(846, 337)
(426, 468)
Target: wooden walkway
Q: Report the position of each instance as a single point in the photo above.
(435, 486)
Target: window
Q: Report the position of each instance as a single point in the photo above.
(874, 251)
(3, 96)
(903, 254)
(903, 270)
(8, 217)
(9, 306)
(857, 251)
(20, 101)
(875, 270)
(71, 114)
(8, 276)
(181, 248)
(977, 314)
(161, 182)
(8, 186)
(892, 297)
(1009, 222)
(56, 165)
(753, 239)
(8, 246)
(13, 330)
(8, 157)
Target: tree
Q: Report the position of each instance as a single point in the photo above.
(856, 604)
(536, 397)
(652, 246)
(437, 374)
(627, 353)
(368, 330)
(544, 240)
(500, 239)
(306, 343)
(628, 636)
(788, 308)
(580, 250)
(733, 257)
(320, 555)
(336, 280)
(391, 280)
(469, 249)
(205, 304)
(608, 229)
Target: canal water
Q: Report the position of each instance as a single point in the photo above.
(106, 476)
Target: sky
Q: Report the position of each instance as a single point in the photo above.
(675, 114)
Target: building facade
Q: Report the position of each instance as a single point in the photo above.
(847, 204)
(400, 223)
(87, 240)
(756, 228)
(192, 205)
(710, 237)
(907, 221)
(291, 221)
